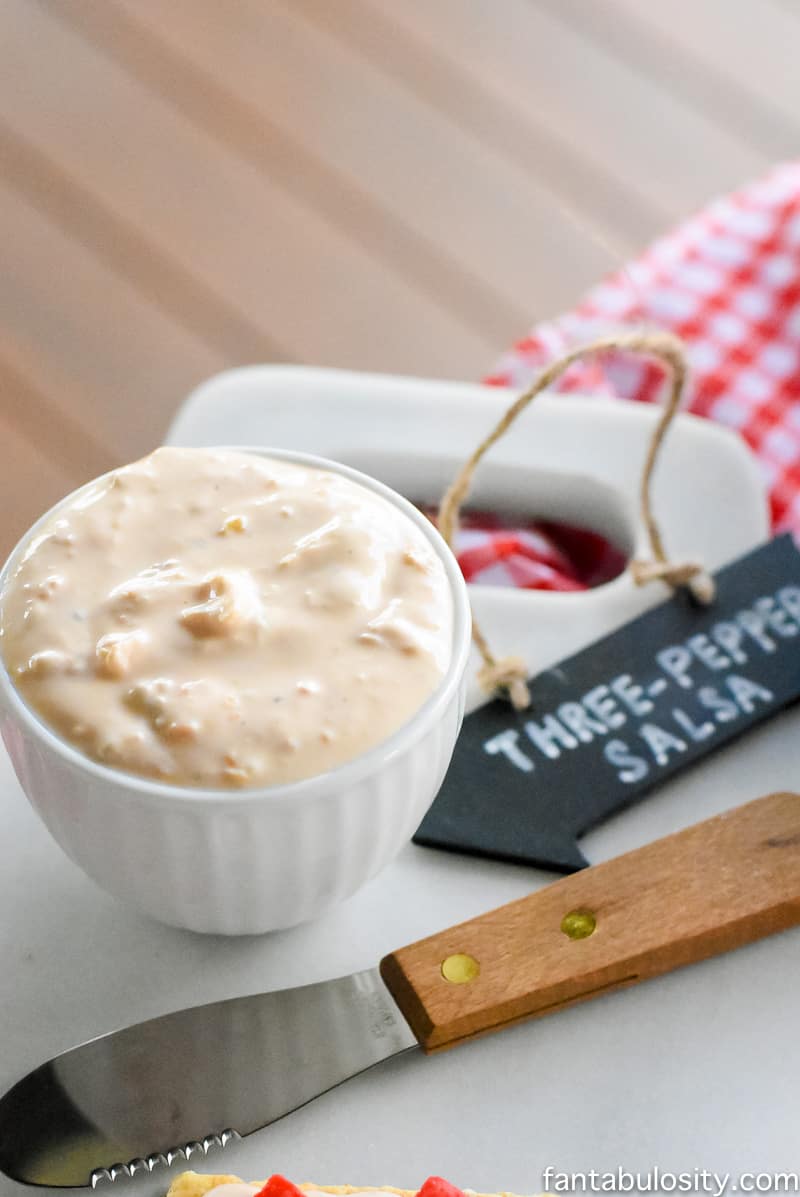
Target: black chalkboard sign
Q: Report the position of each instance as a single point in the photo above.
(608, 724)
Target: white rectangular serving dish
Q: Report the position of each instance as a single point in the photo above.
(571, 458)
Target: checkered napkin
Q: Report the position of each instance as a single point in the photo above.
(728, 283)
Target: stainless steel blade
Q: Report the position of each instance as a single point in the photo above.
(175, 1087)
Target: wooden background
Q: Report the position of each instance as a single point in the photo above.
(401, 185)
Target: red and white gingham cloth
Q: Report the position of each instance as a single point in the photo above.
(728, 283)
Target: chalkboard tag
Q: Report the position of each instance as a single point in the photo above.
(631, 710)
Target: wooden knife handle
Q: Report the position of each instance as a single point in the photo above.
(715, 886)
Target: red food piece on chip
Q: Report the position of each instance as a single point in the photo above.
(279, 1186)
(436, 1187)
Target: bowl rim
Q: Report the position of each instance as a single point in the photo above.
(120, 782)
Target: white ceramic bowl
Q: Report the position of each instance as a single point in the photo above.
(244, 861)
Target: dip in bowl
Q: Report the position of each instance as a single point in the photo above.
(232, 681)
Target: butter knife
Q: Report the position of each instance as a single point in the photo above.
(176, 1087)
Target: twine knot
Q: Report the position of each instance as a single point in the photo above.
(690, 574)
(509, 674)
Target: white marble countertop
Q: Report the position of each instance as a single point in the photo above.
(694, 1070)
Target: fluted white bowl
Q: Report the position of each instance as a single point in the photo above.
(244, 861)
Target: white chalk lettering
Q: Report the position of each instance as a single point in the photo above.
(579, 721)
(506, 744)
(753, 625)
(729, 636)
(675, 661)
(789, 599)
(723, 709)
(606, 707)
(630, 693)
(601, 704)
(630, 768)
(707, 652)
(695, 731)
(776, 617)
(746, 692)
(661, 742)
(548, 735)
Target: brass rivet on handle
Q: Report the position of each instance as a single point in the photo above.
(578, 924)
(460, 968)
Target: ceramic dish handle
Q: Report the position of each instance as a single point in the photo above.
(715, 886)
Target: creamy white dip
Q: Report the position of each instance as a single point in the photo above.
(215, 618)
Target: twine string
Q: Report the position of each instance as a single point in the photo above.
(510, 673)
